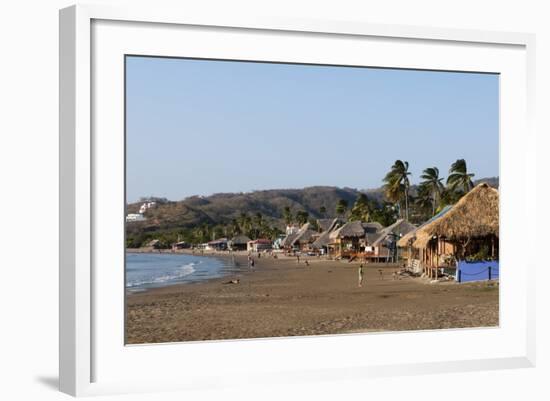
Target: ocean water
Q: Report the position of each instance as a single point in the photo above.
(149, 270)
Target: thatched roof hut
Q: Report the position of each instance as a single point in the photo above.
(288, 240)
(324, 239)
(411, 235)
(327, 224)
(304, 235)
(239, 240)
(352, 229)
(400, 228)
(476, 214)
(372, 227)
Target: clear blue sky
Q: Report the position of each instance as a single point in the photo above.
(197, 127)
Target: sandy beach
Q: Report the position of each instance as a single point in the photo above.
(281, 297)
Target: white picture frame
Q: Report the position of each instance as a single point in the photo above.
(92, 38)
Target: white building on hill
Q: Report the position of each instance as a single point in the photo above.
(134, 217)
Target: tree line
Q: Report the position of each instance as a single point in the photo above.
(432, 195)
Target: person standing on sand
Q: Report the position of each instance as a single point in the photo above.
(360, 278)
(297, 258)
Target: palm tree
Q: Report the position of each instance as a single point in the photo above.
(424, 200)
(287, 215)
(341, 207)
(361, 209)
(397, 184)
(301, 217)
(433, 184)
(258, 219)
(459, 177)
(245, 223)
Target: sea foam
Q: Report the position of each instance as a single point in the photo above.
(183, 271)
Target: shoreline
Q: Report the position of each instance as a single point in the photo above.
(281, 298)
(239, 258)
(224, 258)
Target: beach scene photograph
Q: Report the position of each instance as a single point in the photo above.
(279, 200)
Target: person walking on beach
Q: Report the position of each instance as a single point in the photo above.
(360, 278)
(297, 258)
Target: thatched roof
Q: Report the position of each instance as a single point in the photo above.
(240, 240)
(304, 235)
(351, 229)
(476, 214)
(400, 228)
(327, 224)
(372, 227)
(373, 238)
(422, 239)
(324, 238)
(289, 239)
(411, 235)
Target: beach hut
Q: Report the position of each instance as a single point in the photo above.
(258, 245)
(217, 245)
(470, 228)
(304, 237)
(327, 224)
(300, 239)
(346, 241)
(181, 245)
(383, 245)
(288, 240)
(322, 241)
(155, 244)
(238, 243)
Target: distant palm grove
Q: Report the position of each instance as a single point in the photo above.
(264, 214)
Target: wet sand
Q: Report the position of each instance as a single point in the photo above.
(281, 297)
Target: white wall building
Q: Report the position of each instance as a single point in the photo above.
(134, 217)
(147, 205)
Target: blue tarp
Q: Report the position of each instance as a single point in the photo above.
(477, 271)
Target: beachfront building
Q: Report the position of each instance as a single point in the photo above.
(131, 217)
(467, 230)
(321, 242)
(278, 243)
(181, 245)
(346, 241)
(259, 245)
(382, 245)
(300, 240)
(327, 224)
(304, 238)
(155, 244)
(217, 245)
(238, 243)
